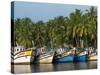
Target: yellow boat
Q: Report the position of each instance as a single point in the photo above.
(20, 55)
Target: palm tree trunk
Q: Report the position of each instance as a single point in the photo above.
(81, 43)
(51, 42)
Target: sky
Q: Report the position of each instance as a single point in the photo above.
(43, 11)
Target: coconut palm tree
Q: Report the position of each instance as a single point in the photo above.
(23, 32)
(78, 29)
(74, 23)
(92, 21)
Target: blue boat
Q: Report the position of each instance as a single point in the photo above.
(81, 57)
(64, 57)
(68, 58)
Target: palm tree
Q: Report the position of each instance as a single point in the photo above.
(74, 23)
(23, 32)
(92, 21)
(51, 32)
(60, 30)
(78, 29)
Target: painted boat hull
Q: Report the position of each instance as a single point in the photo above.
(92, 58)
(22, 57)
(68, 58)
(22, 60)
(44, 58)
(80, 58)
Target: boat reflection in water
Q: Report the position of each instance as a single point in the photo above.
(41, 68)
(54, 67)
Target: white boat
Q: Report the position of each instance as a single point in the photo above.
(46, 58)
(92, 56)
(43, 56)
(20, 56)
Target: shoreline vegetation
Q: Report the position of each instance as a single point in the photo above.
(79, 30)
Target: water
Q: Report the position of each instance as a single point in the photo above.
(54, 67)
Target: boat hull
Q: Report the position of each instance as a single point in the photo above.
(44, 58)
(23, 57)
(68, 58)
(80, 58)
(92, 58)
(22, 60)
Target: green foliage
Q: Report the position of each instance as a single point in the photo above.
(78, 29)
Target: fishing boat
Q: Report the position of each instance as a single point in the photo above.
(92, 55)
(81, 56)
(20, 55)
(63, 56)
(43, 56)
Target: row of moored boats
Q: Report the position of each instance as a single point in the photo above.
(54, 55)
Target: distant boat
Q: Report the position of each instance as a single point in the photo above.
(81, 56)
(20, 55)
(43, 56)
(61, 56)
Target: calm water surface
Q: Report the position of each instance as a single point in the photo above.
(54, 67)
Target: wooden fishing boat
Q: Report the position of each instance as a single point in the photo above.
(92, 56)
(20, 55)
(64, 57)
(43, 56)
(81, 56)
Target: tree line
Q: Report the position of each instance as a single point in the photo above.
(79, 29)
